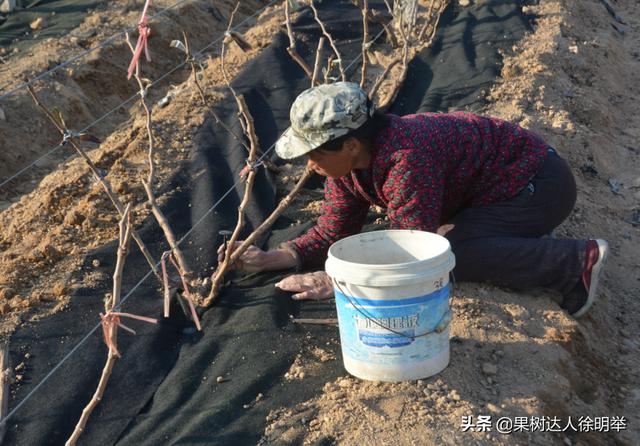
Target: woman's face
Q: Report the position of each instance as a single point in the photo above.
(329, 163)
(336, 164)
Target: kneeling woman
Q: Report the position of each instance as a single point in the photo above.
(494, 189)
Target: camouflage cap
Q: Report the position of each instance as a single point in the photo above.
(321, 114)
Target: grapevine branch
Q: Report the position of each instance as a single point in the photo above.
(148, 183)
(110, 324)
(330, 39)
(292, 43)
(365, 42)
(67, 135)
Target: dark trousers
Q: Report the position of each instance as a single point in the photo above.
(503, 242)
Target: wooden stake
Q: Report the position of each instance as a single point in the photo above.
(5, 378)
(316, 67)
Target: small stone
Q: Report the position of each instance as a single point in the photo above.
(19, 378)
(37, 23)
(464, 2)
(489, 369)
(27, 355)
(426, 392)
(345, 383)
(220, 379)
(20, 367)
(95, 263)
(246, 406)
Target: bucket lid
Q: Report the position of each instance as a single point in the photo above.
(390, 258)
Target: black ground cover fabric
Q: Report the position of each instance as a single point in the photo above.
(163, 390)
(68, 15)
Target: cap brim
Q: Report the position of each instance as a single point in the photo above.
(291, 146)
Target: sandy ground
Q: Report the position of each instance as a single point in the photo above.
(574, 79)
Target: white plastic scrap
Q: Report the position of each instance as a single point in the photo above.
(178, 44)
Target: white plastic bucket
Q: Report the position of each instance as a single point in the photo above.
(392, 295)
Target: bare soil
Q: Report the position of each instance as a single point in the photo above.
(575, 80)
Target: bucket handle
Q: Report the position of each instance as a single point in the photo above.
(439, 328)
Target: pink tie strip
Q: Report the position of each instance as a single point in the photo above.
(111, 322)
(143, 34)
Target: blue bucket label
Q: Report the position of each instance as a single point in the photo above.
(385, 331)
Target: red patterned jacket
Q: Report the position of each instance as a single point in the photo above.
(424, 169)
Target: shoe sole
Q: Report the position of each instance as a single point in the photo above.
(603, 251)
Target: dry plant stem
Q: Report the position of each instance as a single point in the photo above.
(381, 78)
(428, 22)
(5, 375)
(316, 67)
(365, 42)
(328, 36)
(225, 75)
(123, 245)
(218, 275)
(251, 239)
(435, 25)
(286, 201)
(148, 184)
(292, 43)
(403, 73)
(105, 184)
(206, 104)
(219, 121)
(391, 37)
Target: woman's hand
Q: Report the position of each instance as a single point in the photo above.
(311, 286)
(254, 259)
